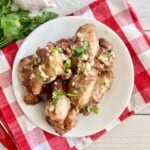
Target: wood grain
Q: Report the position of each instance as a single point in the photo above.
(133, 134)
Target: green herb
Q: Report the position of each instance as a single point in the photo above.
(93, 109)
(38, 59)
(81, 50)
(10, 25)
(18, 24)
(68, 70)
(67, 66)
(101, 86)
(74, 93)
(56, 96)
(57, 50)
(38, 75)
(47, 65)
(108, 53)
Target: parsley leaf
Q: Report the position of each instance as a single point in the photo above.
(74, 93)
(56, 96)
(93, 109)
(102, 84)
(81, 50)
(108, 53)
(57, 50)
(38, 76)
(67, 65)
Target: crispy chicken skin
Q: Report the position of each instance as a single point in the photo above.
(106, 56)
(71, 119)
(51, 62)
(29, 98)
(60, 115)
(103, 83)
(50, 66)
(56, 114)
(83, 86)
(87, 33)
(83, 82)
(25, 69)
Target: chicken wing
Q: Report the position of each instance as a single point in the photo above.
(81, 89)
(87, 33)
(25, 68)
(50, 66)
(106, 56)
(58, 109)
(103, 84)
(31, 99)
(85, 47)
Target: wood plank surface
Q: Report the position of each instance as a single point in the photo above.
(133, 134)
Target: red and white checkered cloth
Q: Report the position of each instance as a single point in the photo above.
(118, 15)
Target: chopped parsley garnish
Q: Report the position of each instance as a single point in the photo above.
(57, 50)
(38, 75)
(56, 96)
(47, 65)
(108, 53)
(67, 66)
(74, 93)
(93, 109)
(101, 85)
(38, 59)
(81, 50)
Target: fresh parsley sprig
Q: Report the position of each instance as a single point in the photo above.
(81, 50)
(56, 96)
(15, 25)
(67, 66)
(72, 94)
(93, 109)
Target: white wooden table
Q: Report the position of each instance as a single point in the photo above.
(134, 133)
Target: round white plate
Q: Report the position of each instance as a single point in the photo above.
(113, 102)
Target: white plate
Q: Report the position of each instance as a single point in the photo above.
(114, 101)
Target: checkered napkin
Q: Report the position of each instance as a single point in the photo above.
(120, 17)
